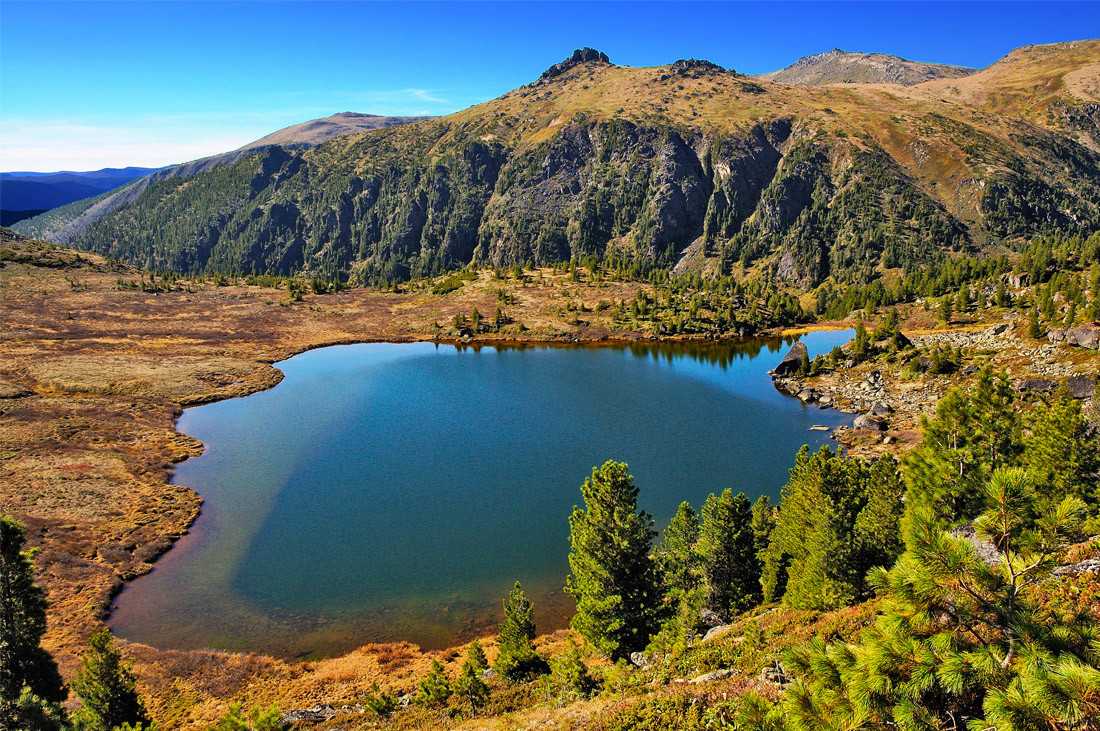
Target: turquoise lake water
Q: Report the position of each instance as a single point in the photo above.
(388, 492)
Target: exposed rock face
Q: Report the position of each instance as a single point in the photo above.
(1081, 387)
(1084, 336)
(848, 67)
(580, 56)
(792, 360)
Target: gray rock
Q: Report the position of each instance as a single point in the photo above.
(807, 395)
(1088, 566)
(581, 55)
(881, 409)
(639, 659)
(1083, 336)
(716, 632)
(712, 676)
(1038, 385)
(313, 714)
(869, 421)
(1080, 386)
(792, 361)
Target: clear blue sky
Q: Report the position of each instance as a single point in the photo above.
(84, 85)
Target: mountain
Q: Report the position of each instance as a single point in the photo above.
(23, 192)
(688, 166)
(316, 131)
(67, 222)
(847, 67)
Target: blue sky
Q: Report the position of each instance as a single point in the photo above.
(92, 84)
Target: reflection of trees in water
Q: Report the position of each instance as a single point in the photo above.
(722, 354)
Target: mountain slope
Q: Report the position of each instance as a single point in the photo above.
(847, 67)
(24, 191)
(687, 165)
(316, 131)
(67, 222)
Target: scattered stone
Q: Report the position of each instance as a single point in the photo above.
(313, 714)
(1088, 566)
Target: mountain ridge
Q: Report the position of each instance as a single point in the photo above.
(686, 165)
(859, 67)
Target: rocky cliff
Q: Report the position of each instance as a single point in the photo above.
(687, 165)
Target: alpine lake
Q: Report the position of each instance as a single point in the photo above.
(387, 492)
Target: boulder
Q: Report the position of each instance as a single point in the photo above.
(792, 361)
(712, 676)
(716, 632)
(807, 395)
(881, 408)
(1080, 386)
(1083, 336)
(1088, 566)
(639, 659)
(869, 421)
(1038, 385)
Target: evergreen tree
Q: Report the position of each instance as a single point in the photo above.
(945, 309)
(727, 555)
(570, 679)
(674, 555)
(260, 719)
(475, 320)
(612, 575)
(517, 659)
(30, 685)
(975, 429)
(1063, 450)
(763, 521)
(837, 518)
(469, 686)
(1034, 329)
(962, 639)
(106, 687)
(434, 690)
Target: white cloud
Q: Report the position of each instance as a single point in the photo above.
(63, 145)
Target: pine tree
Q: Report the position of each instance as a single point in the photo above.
(727, 555)
(1034, 329)
(674, 555)
(962, 636)
(975, 429)
(570, 679)
(612, 575)
(945, 310)
(434, 690)
(469, 686)
(837, 518)
(1063, 450)
(30, 685)
(475, 320)
(106, 687)
(763, 522)
(517, 659)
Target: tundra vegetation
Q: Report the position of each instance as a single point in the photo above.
(953, 560)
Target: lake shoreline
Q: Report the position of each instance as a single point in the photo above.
(277, 376)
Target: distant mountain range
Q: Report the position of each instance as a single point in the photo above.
(847, 67)
(849, 168)
(22, 194)
(67, 218)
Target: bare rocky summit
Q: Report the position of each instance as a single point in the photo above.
(850, 67)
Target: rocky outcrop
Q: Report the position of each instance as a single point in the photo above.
(580, 56)
(792, 361)
(1086, 335)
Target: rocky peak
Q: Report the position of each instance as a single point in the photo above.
(580, 56)
(694, 68)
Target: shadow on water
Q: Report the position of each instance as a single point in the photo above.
(387, 492)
